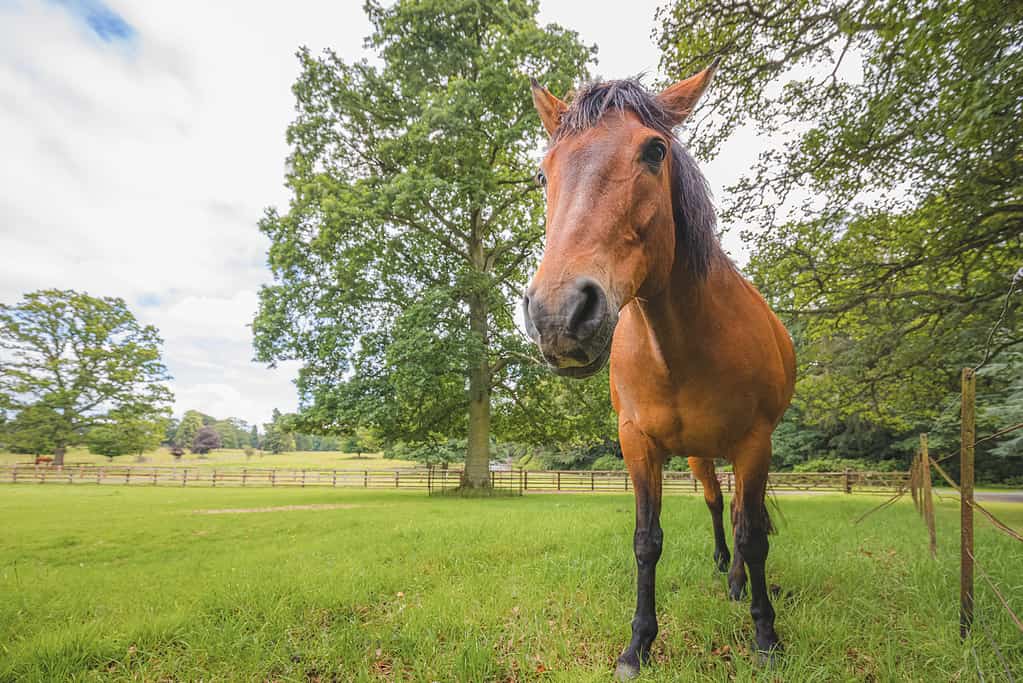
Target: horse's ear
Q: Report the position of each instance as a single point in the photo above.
(549, 107)
(680, 99)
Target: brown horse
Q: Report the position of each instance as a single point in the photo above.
(632, 270)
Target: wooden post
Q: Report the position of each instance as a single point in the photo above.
(559, 480)
(396, 479)
(968, 435)
(273, 479)
(525, 480)
(592, 482)
(155, 473)
(213, 479)
(99, 476)
(928, 503)
(333, 479)
(303, 478)
(184, 478)
(848, 481)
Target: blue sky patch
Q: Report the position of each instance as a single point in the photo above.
(105, 23)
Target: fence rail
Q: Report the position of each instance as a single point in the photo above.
(426, 479)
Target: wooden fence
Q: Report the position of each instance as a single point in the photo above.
(575, 481)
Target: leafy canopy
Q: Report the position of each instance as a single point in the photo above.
(82, 360)
(886, 224)
(414, 218)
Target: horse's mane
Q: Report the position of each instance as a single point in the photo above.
(695, 220)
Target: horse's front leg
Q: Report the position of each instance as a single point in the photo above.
(644, 460)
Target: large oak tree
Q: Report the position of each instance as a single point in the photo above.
(413, 220)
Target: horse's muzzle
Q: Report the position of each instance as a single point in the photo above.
(572, 326)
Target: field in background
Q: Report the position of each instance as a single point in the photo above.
(229, 457)
(122, 583)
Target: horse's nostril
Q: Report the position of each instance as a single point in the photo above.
(588, 307)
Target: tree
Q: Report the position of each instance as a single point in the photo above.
(886, 225)
(277, 436)
(128, 431)
(254, 437)
(82, 358)
(413, 220)
(206, 440)
(190, 425)
(32, 430)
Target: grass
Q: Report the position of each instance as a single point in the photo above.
(233, 458)
(116, 583)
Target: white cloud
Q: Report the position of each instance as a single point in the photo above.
(138, 168)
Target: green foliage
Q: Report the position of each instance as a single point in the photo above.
(441, 452)
(277, 434)
(33, 430)
(413, 221)
(886, 223)
(190, 425)
(82, 358)
(843, 464)
(127, 432)
(608, 462)
(677, 464)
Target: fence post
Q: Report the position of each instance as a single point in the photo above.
(99, 476)
(303, 478)
(928, 504)
(968, 435)
(273, 479)
(396, 479)
(213, 479)
(559, 480)
(525, 480)
(365, 479)
(592, 481)
(848, 481)
(333, 479)
(155, 473)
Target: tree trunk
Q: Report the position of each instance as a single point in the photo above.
(477, 457)
(58, 456)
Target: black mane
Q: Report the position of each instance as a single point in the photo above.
(695, 220)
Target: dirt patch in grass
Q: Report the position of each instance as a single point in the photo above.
(277, 508)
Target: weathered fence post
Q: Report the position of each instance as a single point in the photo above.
(525, 480)
(396, 473)
(592, 482)
(303, 478)
(559, 480)
(333, 479)
(928, 503)
(365, 479)
(155, 473)
(848, 481)
(184, 478)
(967, 435)
(99, 476)
(273, 479)
(213, 479)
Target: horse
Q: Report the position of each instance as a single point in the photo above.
(633, 271)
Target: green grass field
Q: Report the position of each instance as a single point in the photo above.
(115, 583)
(233, 458)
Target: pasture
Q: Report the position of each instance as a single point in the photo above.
(140, 584)
(224, 458)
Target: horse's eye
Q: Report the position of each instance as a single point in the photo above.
(655, 152)
(541, 178)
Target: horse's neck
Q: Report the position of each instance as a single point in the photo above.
(686, 315)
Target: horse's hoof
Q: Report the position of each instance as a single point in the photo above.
(626, 672)
(770, 658)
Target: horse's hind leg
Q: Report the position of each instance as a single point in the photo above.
(752, 525)
(737, 574)
(704, 471)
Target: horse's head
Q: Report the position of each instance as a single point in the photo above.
(616, 180)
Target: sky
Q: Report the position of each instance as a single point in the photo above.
(142, 141)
